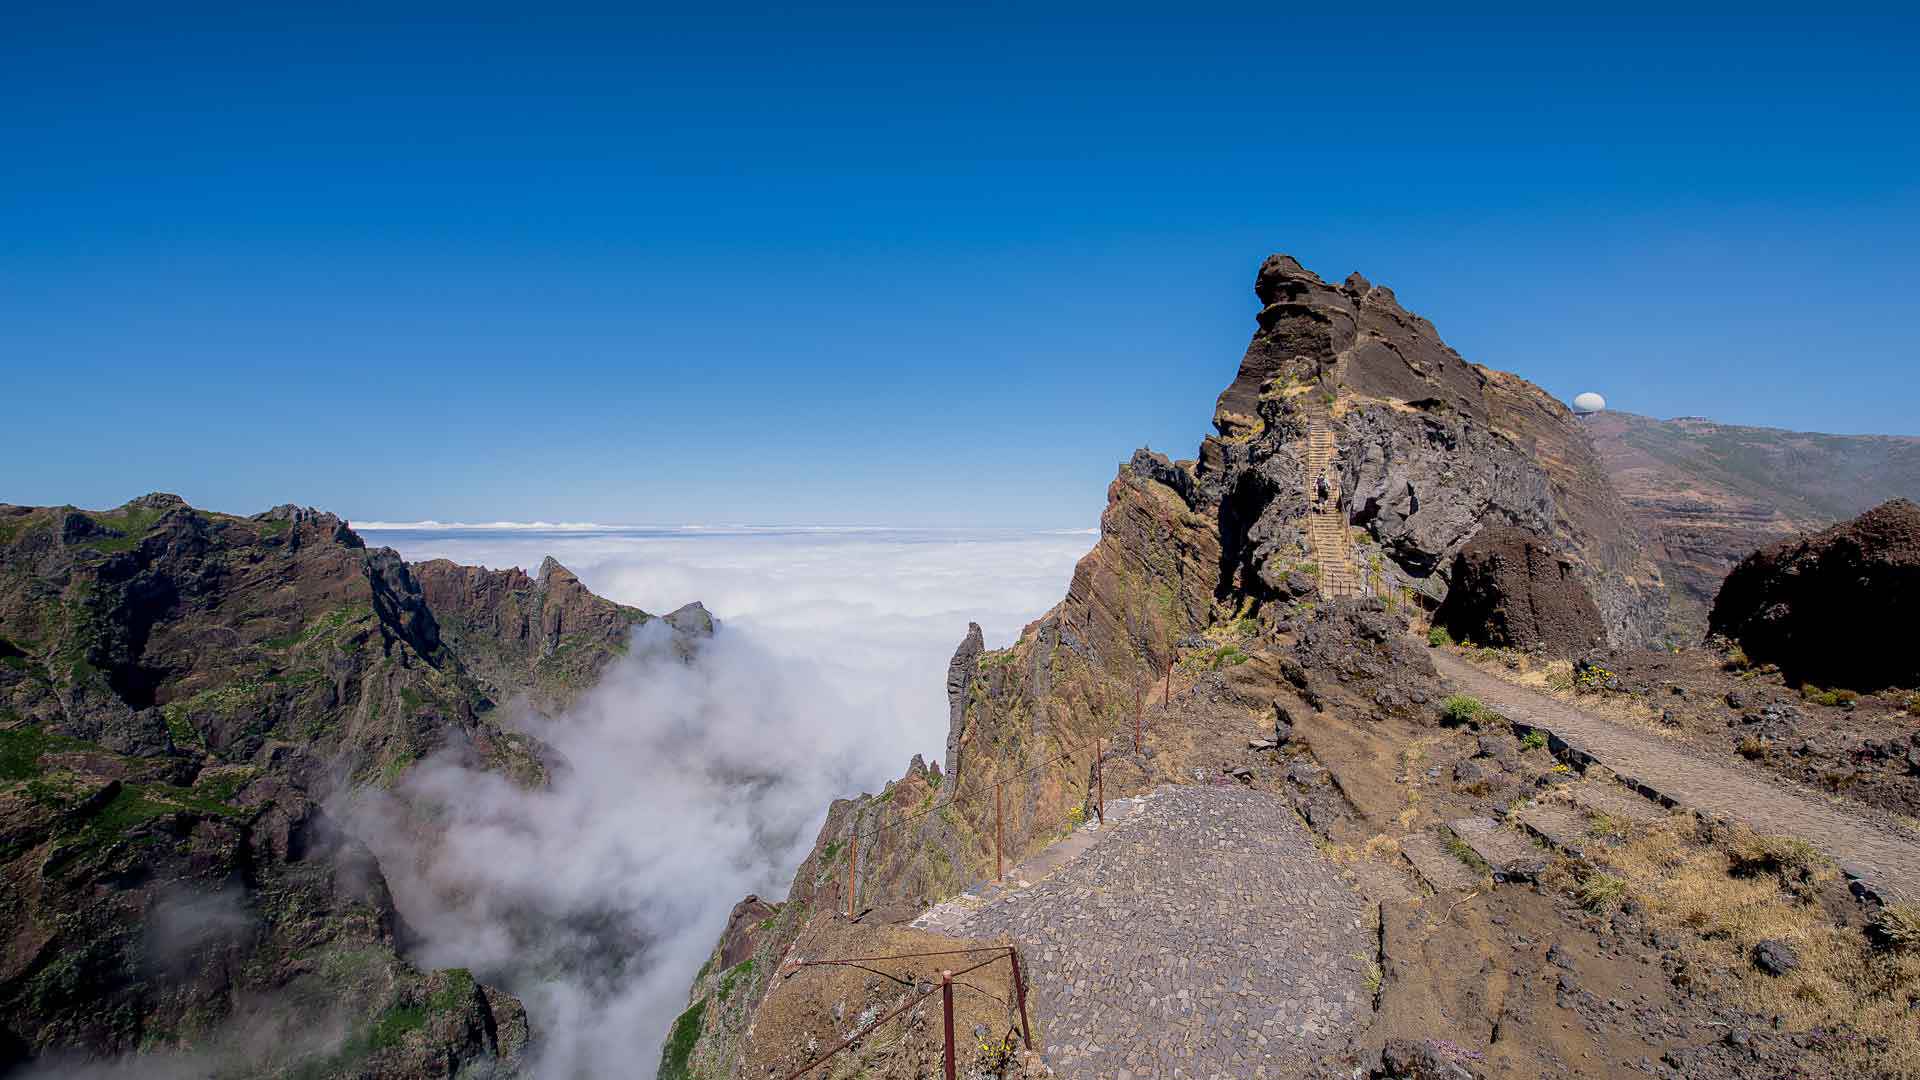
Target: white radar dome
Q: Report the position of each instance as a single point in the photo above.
(1589, 402)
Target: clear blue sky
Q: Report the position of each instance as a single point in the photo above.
(897, 266)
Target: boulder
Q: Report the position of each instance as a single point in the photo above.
(1511, 589)
(1834, 607)
(1775, 957)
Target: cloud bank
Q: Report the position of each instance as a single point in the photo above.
(688, 786)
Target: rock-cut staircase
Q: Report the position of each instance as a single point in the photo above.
(1326, 525)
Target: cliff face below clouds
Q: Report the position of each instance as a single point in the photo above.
(1205, 565)
(1706, 494)
(179, 693)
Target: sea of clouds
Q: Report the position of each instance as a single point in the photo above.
(689, 785)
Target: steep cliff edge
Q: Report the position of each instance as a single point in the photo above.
(180, 691)
(1203, 591)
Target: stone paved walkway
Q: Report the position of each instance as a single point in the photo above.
(1201, 936)
(1885, 863)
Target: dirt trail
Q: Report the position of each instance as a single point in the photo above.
(1883, 862)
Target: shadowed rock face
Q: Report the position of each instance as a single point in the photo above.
(1510, 589)
(179, 692)
(1835, 607)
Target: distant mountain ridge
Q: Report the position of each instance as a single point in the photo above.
(181, 693)
(1706, 494)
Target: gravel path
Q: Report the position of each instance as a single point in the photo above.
(1202, 936)
(1885, 863)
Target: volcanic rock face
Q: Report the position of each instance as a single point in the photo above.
(1835, 607)
(179, 692)
(1431, 449)
(1510, 589)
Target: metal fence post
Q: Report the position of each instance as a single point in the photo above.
(946, 1002)
(1020, 995)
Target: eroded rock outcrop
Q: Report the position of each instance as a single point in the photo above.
(1510, 589)
(1835, 607)
(1432, 448)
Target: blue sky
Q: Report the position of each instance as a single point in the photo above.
(892, 266)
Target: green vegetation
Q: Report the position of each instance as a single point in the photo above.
(221, 785)
(1438, 637)
(742, 970)
(680, 1043)
(132, 523)
(1226, 656)
(396, 765)
(457, 992)
(181, 730)
(1534, 740)
(324, 626)
(394, 1024)
(1601, 891)
(20, 751)
(1830, 698)
(1607, 827)
(1463, 851)
(128, 807)
(1461, 709)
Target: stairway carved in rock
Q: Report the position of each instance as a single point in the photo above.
(1326, 523)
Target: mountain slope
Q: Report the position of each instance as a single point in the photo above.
(1203, 589)
(1707, 494)
(180, 691)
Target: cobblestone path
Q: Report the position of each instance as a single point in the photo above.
(1202, 936)
(1885, 863)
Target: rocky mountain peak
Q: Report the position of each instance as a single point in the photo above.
(1428, 450)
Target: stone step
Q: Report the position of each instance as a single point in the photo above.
(1615, 801)
(1508, 853)
(1561, 826)
(1438, 867)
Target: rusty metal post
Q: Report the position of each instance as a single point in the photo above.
(1020, 995)
(1100, 778)
(853, 858)
(999, 871)
(946, 1002)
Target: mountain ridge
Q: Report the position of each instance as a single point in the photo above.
(181, 694)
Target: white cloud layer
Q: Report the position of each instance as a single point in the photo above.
(693, 785)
